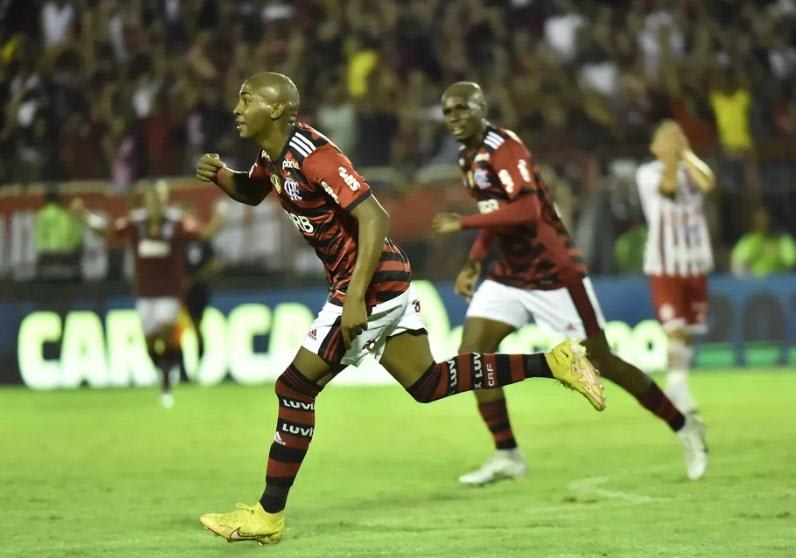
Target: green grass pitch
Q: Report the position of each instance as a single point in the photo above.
(111, 474)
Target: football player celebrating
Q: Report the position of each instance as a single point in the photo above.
(371, 306)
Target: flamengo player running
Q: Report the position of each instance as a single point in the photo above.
(677, 257)
(157, 235)
(371, 307)
(540, 274)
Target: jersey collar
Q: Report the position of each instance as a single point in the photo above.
(293, 129)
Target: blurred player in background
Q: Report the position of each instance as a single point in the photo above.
(540, 275)
(371, 306)
(157, 234)
(202, 265)
(678, 255)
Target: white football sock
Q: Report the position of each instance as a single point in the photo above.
(677, 377)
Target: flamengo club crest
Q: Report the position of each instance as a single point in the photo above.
(292, 189)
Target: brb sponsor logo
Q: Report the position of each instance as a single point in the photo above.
(349, 179)
(292, 189)
(302, 223)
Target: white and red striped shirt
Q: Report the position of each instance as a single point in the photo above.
(678, 242)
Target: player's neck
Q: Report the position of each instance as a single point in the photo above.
(273, 140)
(476, 139)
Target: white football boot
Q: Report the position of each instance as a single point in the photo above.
(695, 449)
(504, 464)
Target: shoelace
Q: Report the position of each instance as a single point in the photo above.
(246, 507)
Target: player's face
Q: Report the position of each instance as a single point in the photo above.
(665, 142)
(252, 113)
(463, 119)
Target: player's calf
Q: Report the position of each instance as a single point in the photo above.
(567, 363)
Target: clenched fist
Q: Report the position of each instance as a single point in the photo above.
(208, 166)
(466, 280)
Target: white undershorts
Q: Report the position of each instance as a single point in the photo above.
(574, 312)
(388, 319)
(157, 313)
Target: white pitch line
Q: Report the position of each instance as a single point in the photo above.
(591, 485)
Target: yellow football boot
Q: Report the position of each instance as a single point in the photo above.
(247, 523)
(570, 366)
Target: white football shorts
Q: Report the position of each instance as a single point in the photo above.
(573, 310)
(388, 319)
(157, 312)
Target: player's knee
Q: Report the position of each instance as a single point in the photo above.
(279, 385)
(476, 344)
(420, 397)
(423, 390)
(292, 384)
(679, 336)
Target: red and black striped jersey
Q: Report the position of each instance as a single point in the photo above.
(537, 253)
(159, 258)
(318, 188)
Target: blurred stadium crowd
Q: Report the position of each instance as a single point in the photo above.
(130, 89)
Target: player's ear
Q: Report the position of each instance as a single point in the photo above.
(277, 110)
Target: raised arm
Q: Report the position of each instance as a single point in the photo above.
(238, 185)
(93, 221)
(699, 171)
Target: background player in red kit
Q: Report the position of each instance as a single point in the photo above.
(540, 274)
(371, 306)
(678, 255)
(157, 235)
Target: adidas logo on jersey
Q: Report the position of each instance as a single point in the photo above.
(313, 334)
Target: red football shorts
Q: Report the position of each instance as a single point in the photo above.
(680, 302)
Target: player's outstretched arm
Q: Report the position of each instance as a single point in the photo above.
(90, 220)
(237, 185)
(374, 223)
(519, 211)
